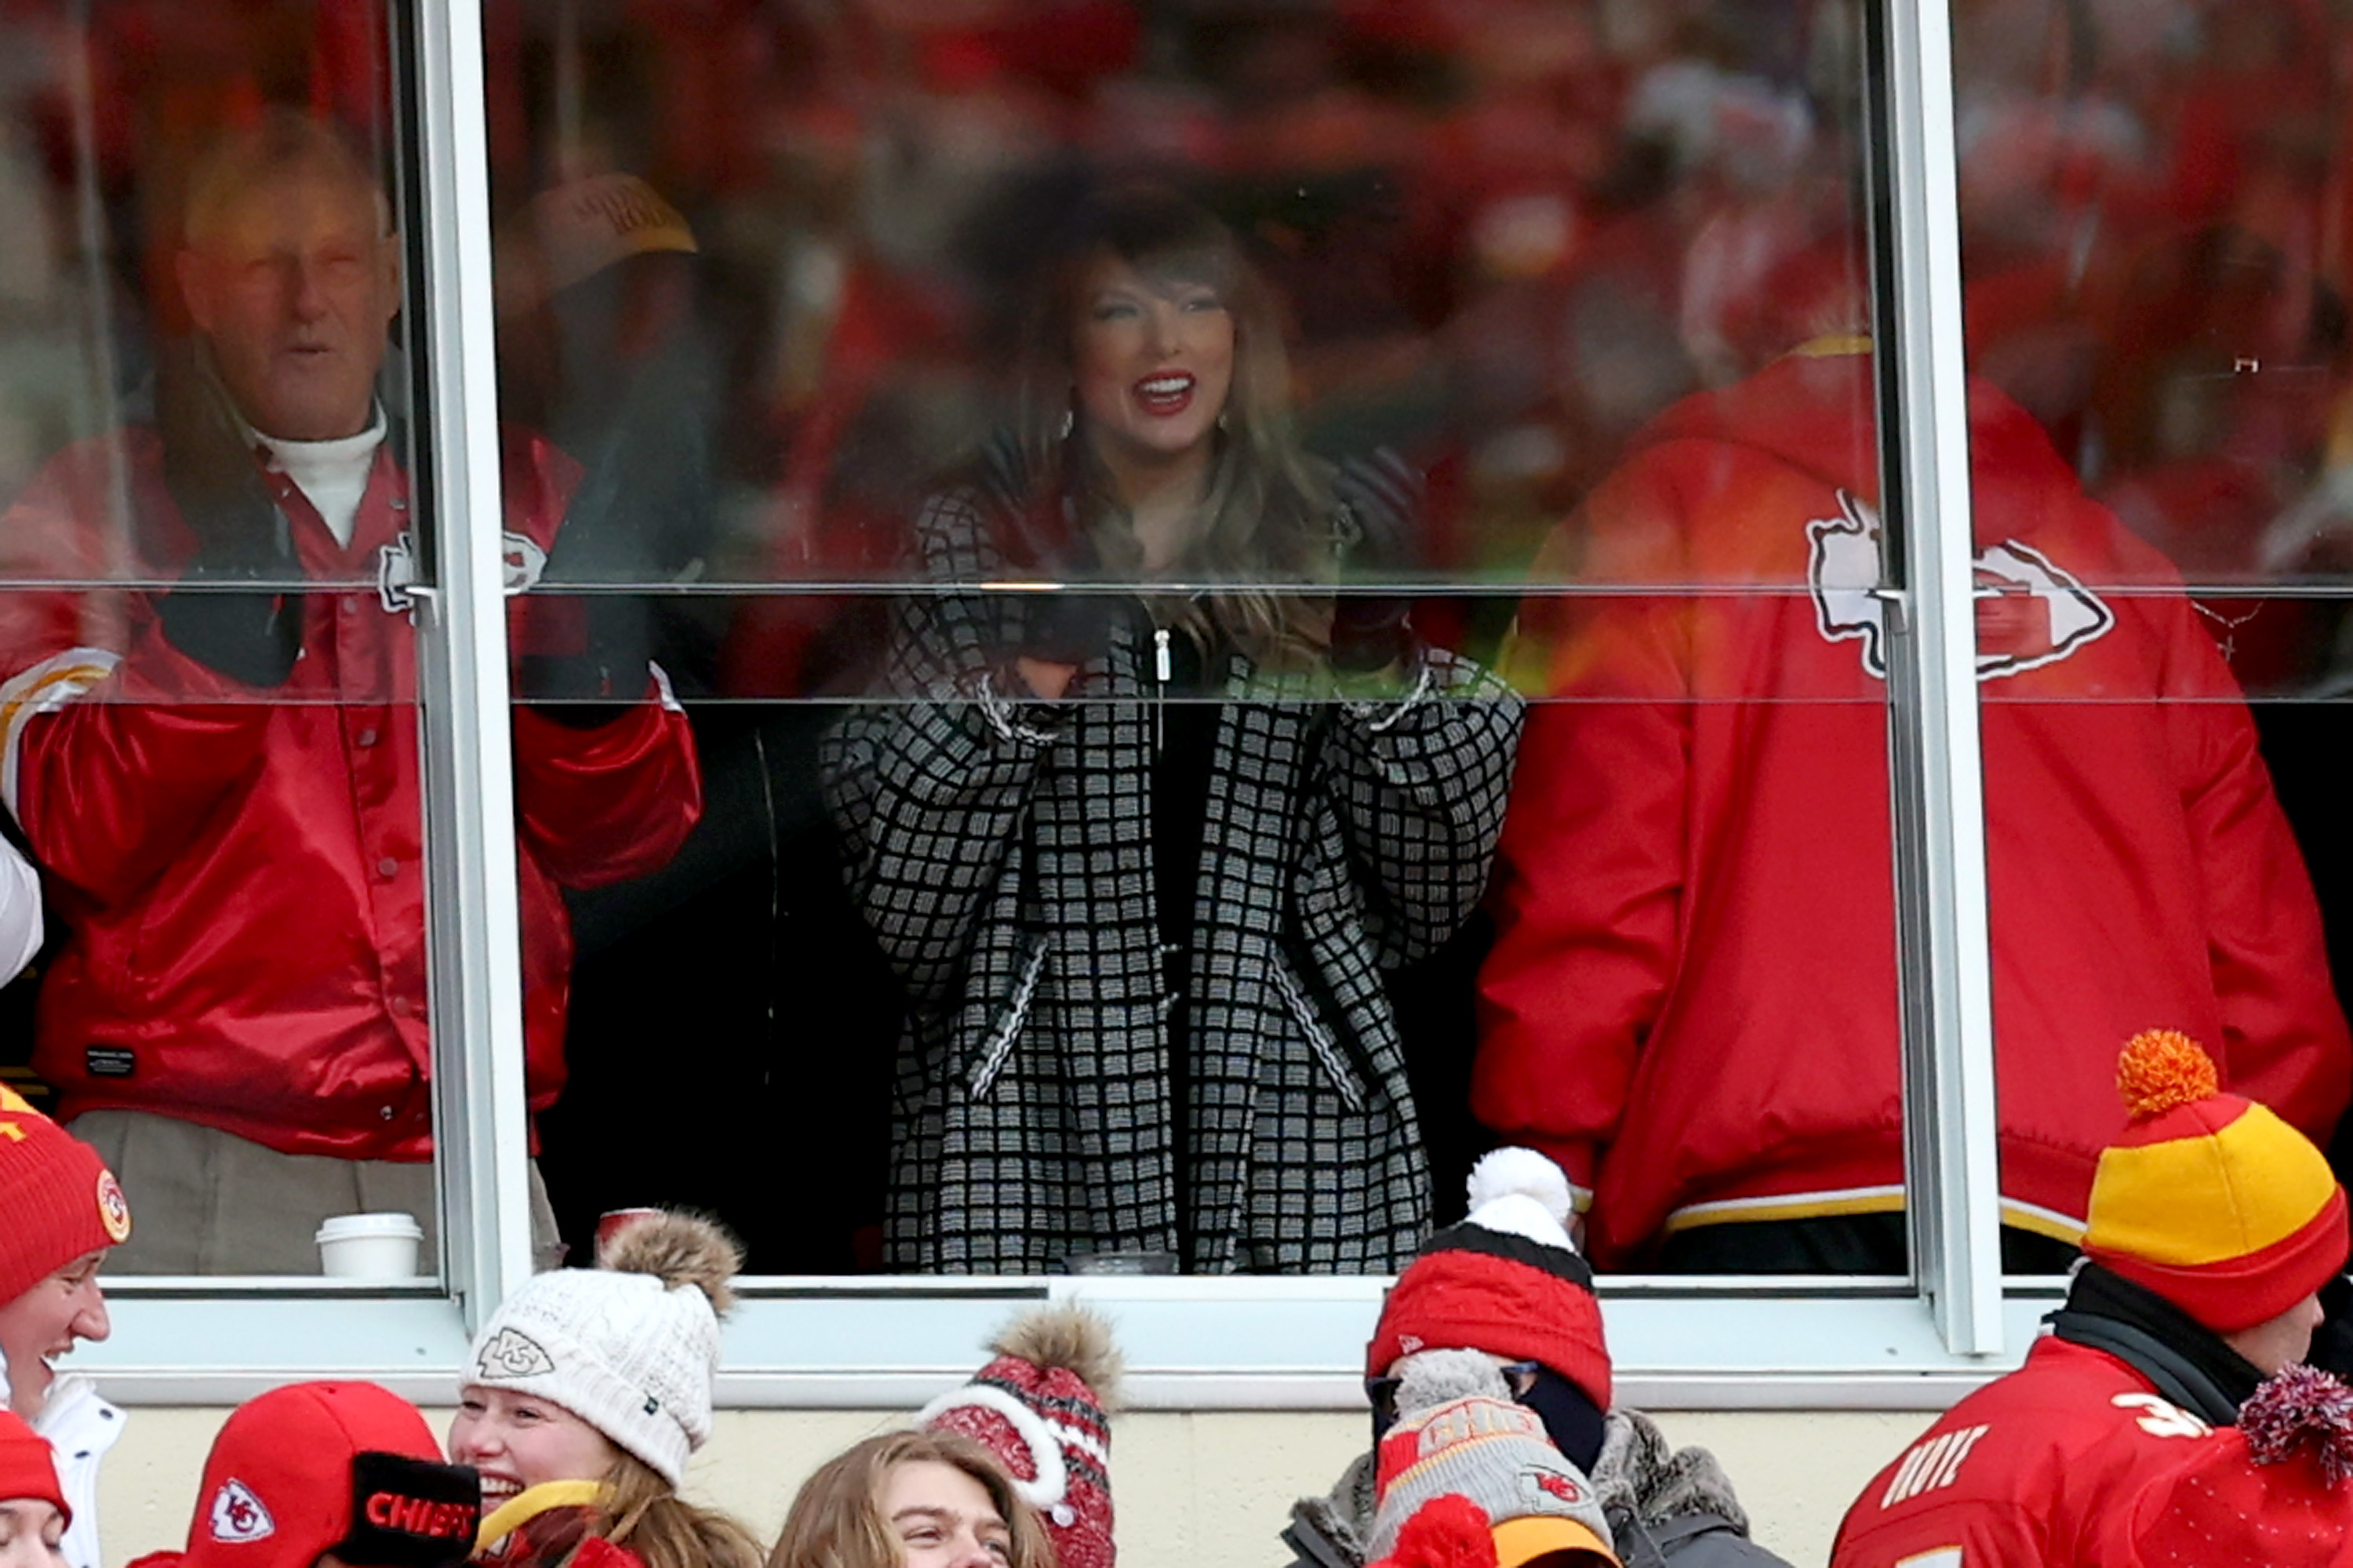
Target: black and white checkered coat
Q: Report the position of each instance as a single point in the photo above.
(1001, 850)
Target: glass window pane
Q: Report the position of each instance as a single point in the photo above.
(2153, 210)
(211, 696)
(1095, 474)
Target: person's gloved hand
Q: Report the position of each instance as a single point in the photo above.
(592, 660)
(586, 657)
(254, 634)
(1381, 500)
(1069, 626)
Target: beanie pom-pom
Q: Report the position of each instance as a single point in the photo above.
(1504, 1172)
(1429, 1379)
(2301, 1407)
(678, 1249)
(1447, 1531)
(2161, 1069)
(1068, 1337)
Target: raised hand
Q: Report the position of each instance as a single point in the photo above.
(1382, 500)
(252, 634)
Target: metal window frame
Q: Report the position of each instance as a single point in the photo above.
(474, 935)
(1935, 764)
(1192, 1344)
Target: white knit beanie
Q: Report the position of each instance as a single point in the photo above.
(628, 1346)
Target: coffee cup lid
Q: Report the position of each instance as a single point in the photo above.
(352, 1227)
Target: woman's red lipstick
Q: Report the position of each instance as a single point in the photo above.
(1164, 394)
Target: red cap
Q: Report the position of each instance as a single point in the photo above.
(27, 1469)
(61, 1199)
(347, 1467)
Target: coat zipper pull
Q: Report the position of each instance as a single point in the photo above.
(1162, 670)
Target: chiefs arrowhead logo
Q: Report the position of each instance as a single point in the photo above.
(1559, 1488)
(2030, 612)
(511, 1354)
(523, 563)
(238, 1516)
(113, 1208)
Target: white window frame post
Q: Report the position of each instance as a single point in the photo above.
(474, 920)
(1943, 949)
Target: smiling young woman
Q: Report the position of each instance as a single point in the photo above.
(65, 1212)
(911, 1500)
(586, 1393)
(1143, 838)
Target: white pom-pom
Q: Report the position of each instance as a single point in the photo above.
(1521, 1191)
(1504, 1170)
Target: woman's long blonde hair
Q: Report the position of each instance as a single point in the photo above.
(836, 1522)
(1267, 513)
(644, 1512)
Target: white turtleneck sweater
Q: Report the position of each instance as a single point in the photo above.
(333, 474)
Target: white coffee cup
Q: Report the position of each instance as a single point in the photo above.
(370, 1246)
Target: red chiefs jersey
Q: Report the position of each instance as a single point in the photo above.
(2038, 1469)
(1692, 998)
(241, 872)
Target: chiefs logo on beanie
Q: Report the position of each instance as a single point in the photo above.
(2207, 1199)
(1507, 1280)
(61, 1201)
(1042, 1407)
(1539, 1508)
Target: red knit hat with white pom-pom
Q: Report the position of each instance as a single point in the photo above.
(1042, 1407)
(2208, 1199)
(2269, 1490)
(1507, 1280)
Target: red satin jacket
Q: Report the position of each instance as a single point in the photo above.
(240, 872)
(1690, 1003)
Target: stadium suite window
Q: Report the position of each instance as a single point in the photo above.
(818, 1341)
(1332, 368)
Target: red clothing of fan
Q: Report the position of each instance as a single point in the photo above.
(241, 871)
(1691, 1004)
(2038, 1469)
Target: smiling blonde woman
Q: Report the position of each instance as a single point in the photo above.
(911, 1500)
(587, 1389)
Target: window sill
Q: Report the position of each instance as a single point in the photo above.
(1191, 1344)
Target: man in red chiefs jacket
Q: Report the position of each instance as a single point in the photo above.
(220, 777)
(2213, 1225)
(1691, 1004)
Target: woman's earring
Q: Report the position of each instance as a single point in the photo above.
(1070, 418)
(1223, 416)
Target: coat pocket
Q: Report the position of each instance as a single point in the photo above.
(1004, 1029)
(1320, 1042)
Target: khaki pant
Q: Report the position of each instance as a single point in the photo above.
(207, 1201)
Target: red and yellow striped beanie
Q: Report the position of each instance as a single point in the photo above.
(2208, 1199)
